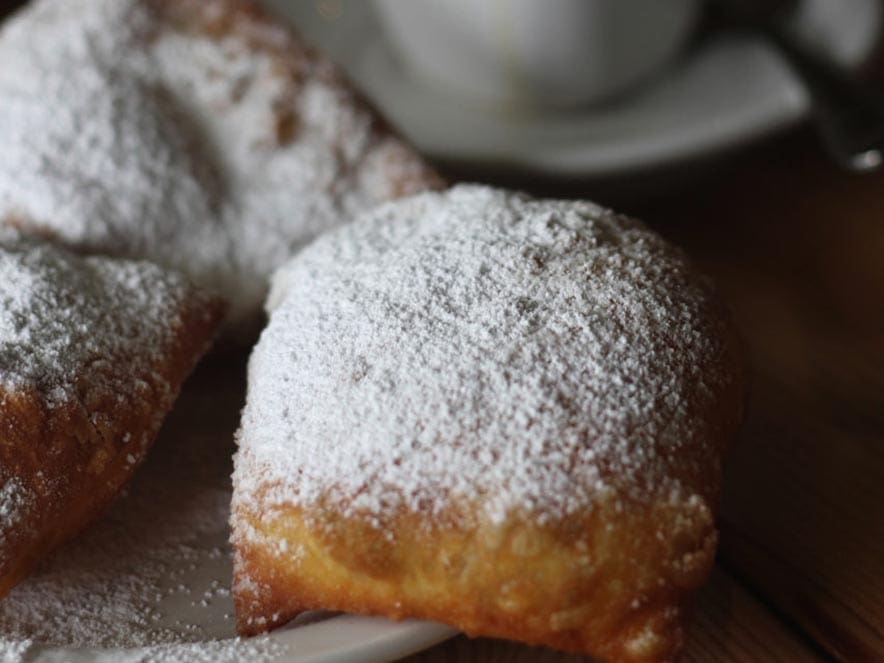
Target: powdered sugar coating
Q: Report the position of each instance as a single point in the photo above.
(61, 314)
(125, 132)
(479, 346)
(67, 325)
(150, 581)
(14, 501)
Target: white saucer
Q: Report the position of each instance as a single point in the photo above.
(728, 90)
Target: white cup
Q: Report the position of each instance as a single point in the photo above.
(537, 52)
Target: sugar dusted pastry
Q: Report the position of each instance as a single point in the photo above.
(500, 413)
(92, 354)
(199, 134)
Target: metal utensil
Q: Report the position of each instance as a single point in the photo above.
(848, 114)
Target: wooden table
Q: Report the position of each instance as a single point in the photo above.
(797, 248)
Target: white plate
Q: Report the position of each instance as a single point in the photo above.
(151, 580)
(729, 89)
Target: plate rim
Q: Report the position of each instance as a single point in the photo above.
(394, 639)
(765, 117)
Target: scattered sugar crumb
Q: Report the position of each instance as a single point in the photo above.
(126, 585)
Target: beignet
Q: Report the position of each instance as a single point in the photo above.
(501, 413)
(92, 354)
(199, 134)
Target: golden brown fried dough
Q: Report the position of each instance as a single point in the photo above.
(501, 413)
(92, 354)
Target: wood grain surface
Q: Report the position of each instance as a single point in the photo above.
(798, 249)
